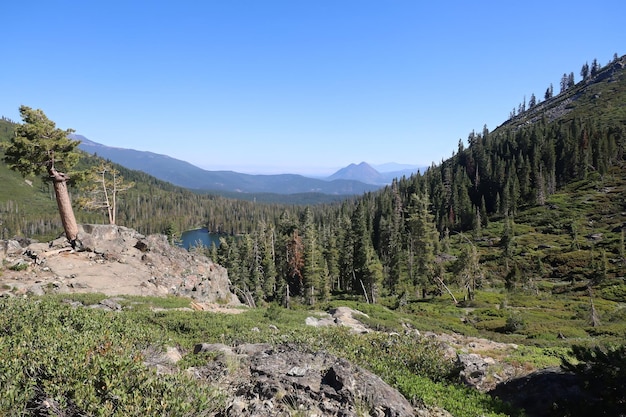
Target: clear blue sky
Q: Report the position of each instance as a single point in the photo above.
(302, 86)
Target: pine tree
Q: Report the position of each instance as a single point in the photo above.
(284, 233)
(584, 71)
(423, 240)
(268, 261)
(295, 264)
(361, 247)
(374, 277)
(570, 80)
(395, 249)
(346, 254)
(540, 188)
(38, 147)
(506, 241)
(595, 67)
(331, 259)
(312, 257)
(467, 267)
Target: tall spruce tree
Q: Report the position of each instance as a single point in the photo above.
(584, 71)
(312, 258)
(361, 247)
(423, 240)
(468, 268)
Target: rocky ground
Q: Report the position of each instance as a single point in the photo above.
(281, 380)
(263, 380)
(112, 260)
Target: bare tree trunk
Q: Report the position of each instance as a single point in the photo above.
(287, 301)
(106, 198)
(447, 289)
(367, 299)
(65, 205)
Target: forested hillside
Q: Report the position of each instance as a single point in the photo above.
(538, 202)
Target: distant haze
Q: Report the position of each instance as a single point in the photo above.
(309, 171)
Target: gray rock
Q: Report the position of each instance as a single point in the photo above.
(296, 371)
(111, 304)
(212, 347)
(340, 316)
(36, 290)
(473, 368)
(13, 246)
(311, 321)
(277, 381)
(117, 260)
(59, 287)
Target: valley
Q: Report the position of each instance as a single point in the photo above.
(513, 250)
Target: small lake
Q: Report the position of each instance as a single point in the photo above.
(193, 237)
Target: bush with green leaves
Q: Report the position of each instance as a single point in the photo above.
(60, 360)
(514, 322)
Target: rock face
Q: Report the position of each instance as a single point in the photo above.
(283, 381)
(113, 260)
(340, 316)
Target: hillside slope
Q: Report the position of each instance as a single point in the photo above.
(600, 95)
(538, 206)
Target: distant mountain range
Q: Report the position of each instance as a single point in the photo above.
(352, 180)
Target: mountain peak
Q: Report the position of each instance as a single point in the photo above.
(362, 172)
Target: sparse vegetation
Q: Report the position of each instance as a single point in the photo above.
(47, 346)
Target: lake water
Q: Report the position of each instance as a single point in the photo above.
(192, 237)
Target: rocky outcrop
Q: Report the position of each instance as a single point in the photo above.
(284, 381)
(340, 316)
(113, 260)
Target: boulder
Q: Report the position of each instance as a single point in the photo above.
(282, 380)
(10, 247)
(340, 316)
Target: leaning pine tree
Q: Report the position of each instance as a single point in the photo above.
(40, 148)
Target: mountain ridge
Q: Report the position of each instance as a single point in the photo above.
(351, 180)
(187, 175)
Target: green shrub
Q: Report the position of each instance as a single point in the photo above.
(514, 323)
(20, 266)
(86, 362)
(273, 312)
(614, 292)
